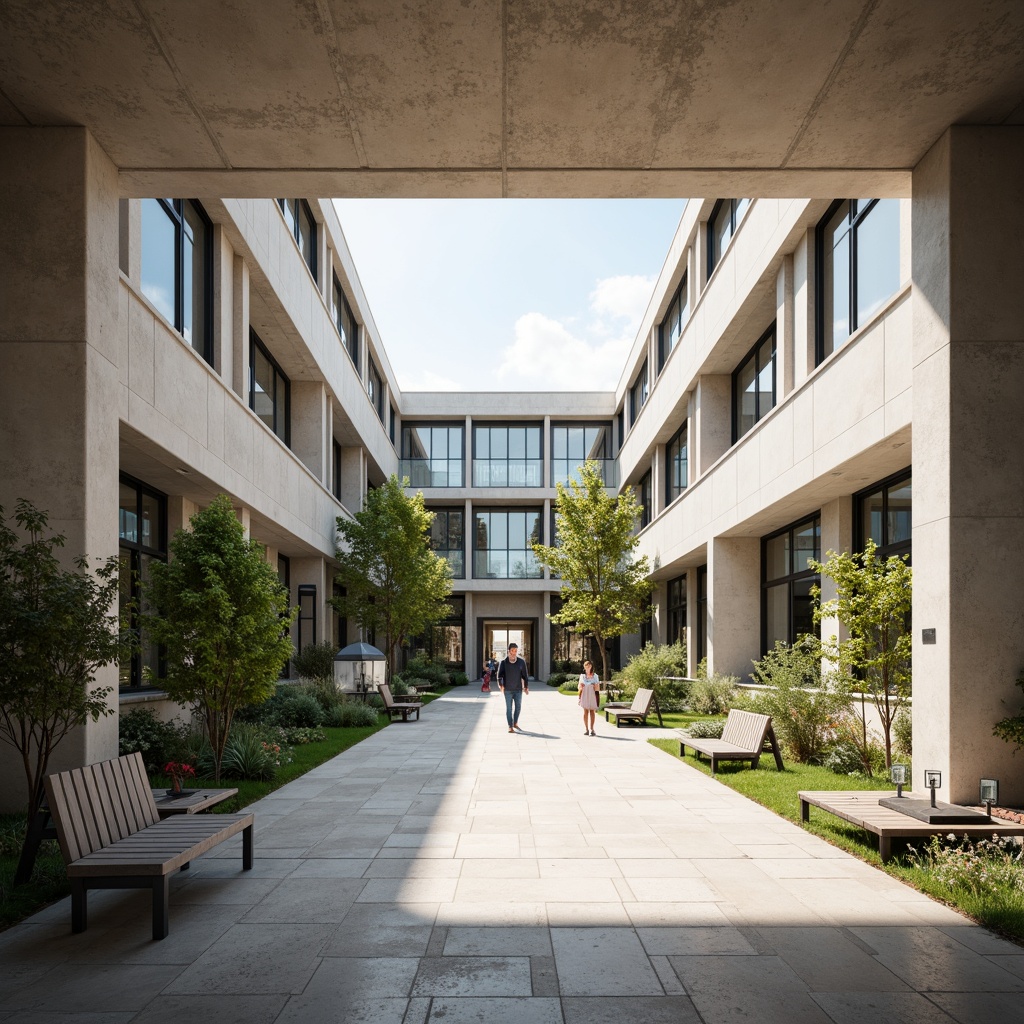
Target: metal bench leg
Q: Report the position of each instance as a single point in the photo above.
(78, 904)
(805, 811)
(247, 848)
(161, 899)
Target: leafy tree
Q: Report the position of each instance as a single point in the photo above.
(604, 589)
(395, 585)
(873, 602)
(57, 627)
(222, 618)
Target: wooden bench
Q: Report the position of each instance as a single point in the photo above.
(861, 808)
(393, 707)
(743, 739)
(112, 837)
(643, 703)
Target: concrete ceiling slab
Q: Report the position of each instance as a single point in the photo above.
(494, 97)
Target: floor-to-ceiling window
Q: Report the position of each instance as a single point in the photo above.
(508, 456)
(448, 538)
(675, 628)
(787, 611)
(269, 389)
(572, 444)
(676, 465)
(722, 224)
(754, 386)
(432, 454)
(883, 513)
(671, 328)
(502, 543)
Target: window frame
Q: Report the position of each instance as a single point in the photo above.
(536, 510)
(645, 495)
(758, 368)
(405, 451)
(737, 208)
(604, 459)
(672, 492)
(255, 342)
(175, 210)
(889, 483)
(675, 611)
(375, 388)
(681, 315)
(527, 462)
(301, 206)
(640, 388)
(789, 578)
(348, 329)
(448, 511)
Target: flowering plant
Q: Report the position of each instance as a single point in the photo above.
(179, 771)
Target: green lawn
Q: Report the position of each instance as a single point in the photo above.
(1002, 911)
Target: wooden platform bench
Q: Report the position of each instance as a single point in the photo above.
(861, 808)
(743, 739)
(112, 837)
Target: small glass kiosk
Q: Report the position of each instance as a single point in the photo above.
(359, 668)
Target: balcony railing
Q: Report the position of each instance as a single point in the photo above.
(508, 473)
(565, 470)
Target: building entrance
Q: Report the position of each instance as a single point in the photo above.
(498, 635)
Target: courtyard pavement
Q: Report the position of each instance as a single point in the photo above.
(446, 871)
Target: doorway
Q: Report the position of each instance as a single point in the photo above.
(497, 635)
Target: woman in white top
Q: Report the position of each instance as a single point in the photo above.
(590, 696)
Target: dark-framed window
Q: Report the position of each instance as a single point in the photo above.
(508, 455)
(645, 495)
(676, 465)
(671, 327)
(676, 607)
(883, 513)
(638, 394)
(342, 636)
(569, 645)
(375, 389)
(502, 543)
(177, 268)
(787, 611)
(722, 224)
(335, 468)
(572, 444)
(142, 540)
(307, 615)
(754, 385)
(302, 224)
(448, 538)
(433, 454)
(445, 641)
(269, 389)
(620, 427)
(702, 613)
(284, 575)
(858, 256)
(392, 419)
(345, 321)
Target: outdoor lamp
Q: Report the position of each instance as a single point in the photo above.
(932, 781)
(989, 794)
(898, 777)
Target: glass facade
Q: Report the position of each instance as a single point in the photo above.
(345, 321)
(448, 538)
(676, 467)
(299, 218)
(638, 394)
(858, 244)
(884, 514)
(671, 327)
(432, 454)
(375, 389)
(507, 456)
(502, 543)
(722, 224)
(269, 389)
(787, 611)
(142, 540)
(177, 268)
(573, 444)
(676, 607)
(753, 385)
(645, 495)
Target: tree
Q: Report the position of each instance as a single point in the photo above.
(393, 583)
(873, 602)
(604, 589)
(57, 627)
(222, 616)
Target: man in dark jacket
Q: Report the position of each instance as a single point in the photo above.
(514, 681)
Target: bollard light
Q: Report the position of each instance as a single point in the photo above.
(932, 781)
(898, 777)
(989, 792)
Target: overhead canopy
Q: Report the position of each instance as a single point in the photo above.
(359, 652)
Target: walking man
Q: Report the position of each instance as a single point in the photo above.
(513, 681)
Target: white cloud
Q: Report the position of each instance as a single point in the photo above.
(427, 380)
(571, 355)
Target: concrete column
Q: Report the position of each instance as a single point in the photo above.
(223, 305)
(542, 661)
(836, 535)
(311, 437)
(968, 353)
(658, 480)
(692, 622)
(240, 328)
(784, 328)
(59, 391)
(353, 478)
(734, 604)
(712, 420)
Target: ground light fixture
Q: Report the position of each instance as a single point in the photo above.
(989, 794)
(898, 777)
(932, 781)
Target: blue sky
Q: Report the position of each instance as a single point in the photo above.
(479, 294)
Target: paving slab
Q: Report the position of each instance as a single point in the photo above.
(446, 871)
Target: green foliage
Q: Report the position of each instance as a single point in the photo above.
(873, 602)
(647, 668)
(1012, 729)
(422, 667)
(843, 758)
(806, 710)
(706, 729)
(989, 871)
(714, 694)
(354, 714)
(903, 733)
(251, 754)
(300, 710)
(57, 627)
(301, 735)
(394, 584)
(605, 590)
(399, 687)
(560, 678)
(158, 742)
(316, 662)
(459, 678)
(222, 608)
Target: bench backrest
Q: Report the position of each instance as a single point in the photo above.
(642, 701)
(385, 692)
(746, 729)
(95, 806)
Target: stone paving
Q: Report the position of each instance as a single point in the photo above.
(445, 871)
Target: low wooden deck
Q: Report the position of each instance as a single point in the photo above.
(861, 808)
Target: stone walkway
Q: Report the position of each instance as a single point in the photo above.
(445, 871)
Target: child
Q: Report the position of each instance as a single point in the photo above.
(590, 696)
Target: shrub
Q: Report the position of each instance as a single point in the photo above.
(297, 737)
(299, 710)
(652, 662)
(315, 661)
(158, 742)
(843, 758)
(559, 679)
(459, 679)
(354, 713)
(426, 668)
(712, 695)
(326, 694)
(707, 729)
(250, 754)
(399, 687)
(989, 869)
(806, 710)
(902, 731)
